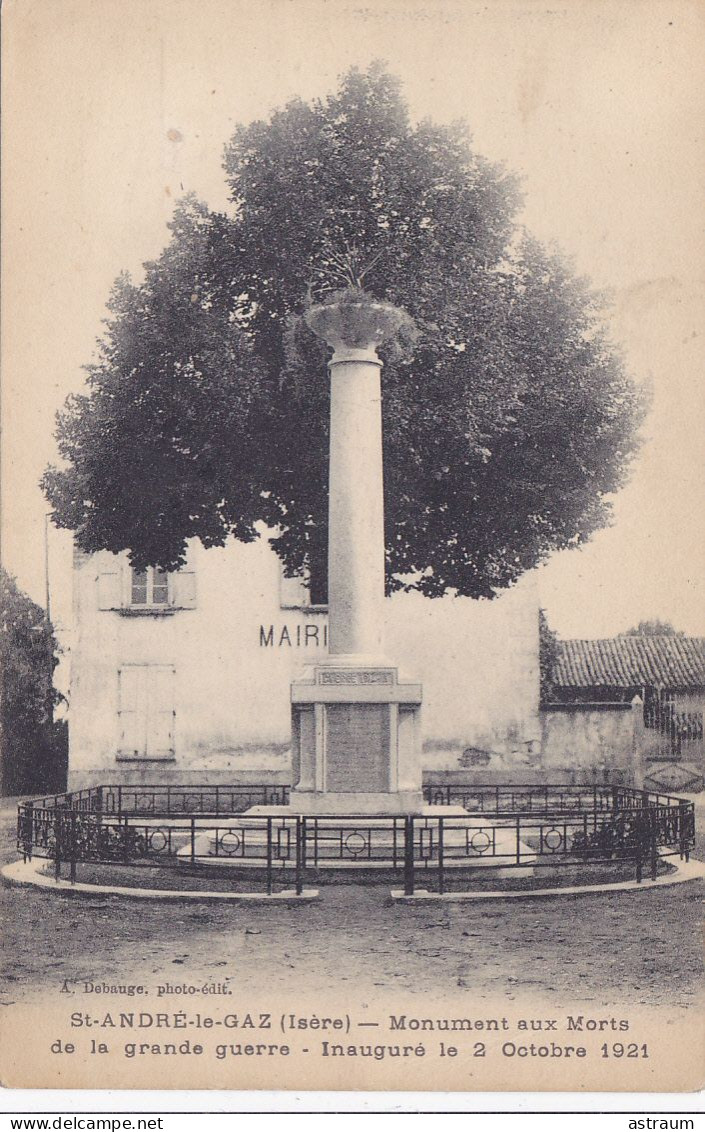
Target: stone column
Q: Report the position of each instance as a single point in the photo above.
(356, 506)
(356, 498)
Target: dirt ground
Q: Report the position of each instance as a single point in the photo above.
(620, 949)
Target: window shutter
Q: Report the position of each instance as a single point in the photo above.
(132, 709)
(293, 592)
(146, 710)
(109, 591)
(183, 589)
(160, 710)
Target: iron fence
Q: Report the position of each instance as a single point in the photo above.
(681, 732)
(550, 827)
(218, 801)
(505, 801)
(207, 801)
(164, 801)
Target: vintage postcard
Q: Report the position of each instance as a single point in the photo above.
(353, 625)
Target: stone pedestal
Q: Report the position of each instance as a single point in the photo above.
(356, 742)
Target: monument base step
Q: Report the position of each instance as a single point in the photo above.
(306, 803)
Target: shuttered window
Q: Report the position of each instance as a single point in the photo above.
(146, 711)
(152, 591)
(149, 587)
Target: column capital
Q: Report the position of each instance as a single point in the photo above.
(354, 327)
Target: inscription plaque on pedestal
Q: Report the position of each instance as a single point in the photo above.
(357, 747)
(358, 677)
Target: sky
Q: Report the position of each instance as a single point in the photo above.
(114, 108)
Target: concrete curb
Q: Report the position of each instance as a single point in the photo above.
(27, 874)
(684, 871)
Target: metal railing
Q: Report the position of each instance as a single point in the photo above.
(217, 801)
(548, 828)
(558, 798)
(681, 731)
(71, 837)
(164, 801)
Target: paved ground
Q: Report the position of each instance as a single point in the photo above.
(641, 948)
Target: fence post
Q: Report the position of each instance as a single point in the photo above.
(441, 862)
(653, 846)
(28, 830)
(72, 847)
(99, 807)
(269, 856)
(57, 844)
(638, 752)
(299, 885)
(641, 824)
(409, 856)
(193, 842)
(682, 811)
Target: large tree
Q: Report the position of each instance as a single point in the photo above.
(32, 746)
(508, 417)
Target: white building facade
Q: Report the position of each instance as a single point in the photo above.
(185, 678)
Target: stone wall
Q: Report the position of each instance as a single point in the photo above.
(590, 741)
(609, 742)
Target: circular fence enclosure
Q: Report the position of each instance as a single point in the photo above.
(509, 834)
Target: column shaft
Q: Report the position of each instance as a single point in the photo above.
(356, 508)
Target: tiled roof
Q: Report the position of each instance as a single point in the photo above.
(632, 662)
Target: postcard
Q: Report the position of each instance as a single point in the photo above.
(353, 600)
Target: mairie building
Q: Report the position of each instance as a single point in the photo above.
(185, 677)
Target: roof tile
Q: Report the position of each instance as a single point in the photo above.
(632, 662)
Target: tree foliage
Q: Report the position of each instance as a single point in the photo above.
(548, 658)
(653, 628)
(30, 743)
(507, 422)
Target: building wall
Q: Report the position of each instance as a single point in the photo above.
(227, 650)
(609, 742)
(582, 742)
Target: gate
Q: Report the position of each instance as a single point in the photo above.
(680, 732)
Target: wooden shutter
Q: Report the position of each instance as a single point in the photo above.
(109, 588)
(183, 589)
(160, 711)
(132, 707)
(146, 710)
